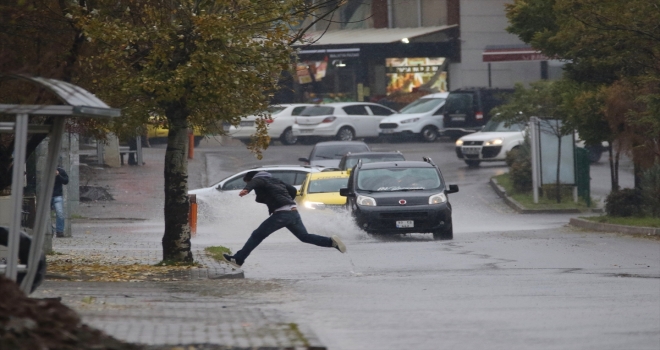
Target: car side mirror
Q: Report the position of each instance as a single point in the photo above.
(452, 189)
(219, 188)
(304, 160)
(344, 192)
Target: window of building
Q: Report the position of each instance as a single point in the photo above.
(418, 13)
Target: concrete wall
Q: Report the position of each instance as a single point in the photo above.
(483, 22)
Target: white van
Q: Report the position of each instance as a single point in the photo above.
(422, 118)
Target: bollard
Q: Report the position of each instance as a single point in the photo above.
(192, 215)
(191, 145)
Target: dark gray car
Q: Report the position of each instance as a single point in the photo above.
(328, 154)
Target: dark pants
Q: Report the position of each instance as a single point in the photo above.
(289, 219)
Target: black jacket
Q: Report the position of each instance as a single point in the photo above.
(61, 179)
(273, 192)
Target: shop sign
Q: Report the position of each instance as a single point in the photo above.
(411, 74)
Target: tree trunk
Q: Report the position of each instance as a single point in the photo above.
(176, 239)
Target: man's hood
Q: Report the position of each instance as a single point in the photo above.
(263, 174)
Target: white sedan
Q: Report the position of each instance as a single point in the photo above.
(343, 121)
(280, 122)
(490, 144)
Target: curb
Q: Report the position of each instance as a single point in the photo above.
(522, 210)
(599, 226)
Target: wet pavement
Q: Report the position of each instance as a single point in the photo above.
(209, 304)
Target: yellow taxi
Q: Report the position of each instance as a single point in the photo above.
(321, 190)
(157, 131)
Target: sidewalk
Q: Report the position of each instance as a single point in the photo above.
(204, 306)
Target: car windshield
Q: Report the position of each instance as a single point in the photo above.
(398, 179)
(337, 151)
(327, 185)
(350, 162)
(275, 109)
(422, 105)
(317, 110)
(500, 126)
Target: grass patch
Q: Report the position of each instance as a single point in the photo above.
(627, 221)
(77, 216)
(527, 199)
(216, 252)
(178, 263)
(295, 330)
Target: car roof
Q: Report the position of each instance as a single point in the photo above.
(343, 104)
(436, 95)
(328, 175)
(335, 143)
(397, 164)
(377, 153)
(284, 166)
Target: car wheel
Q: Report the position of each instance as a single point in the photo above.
(472, 163)
(345, 134)
(287, 137)
(445, 233)
(429, 134)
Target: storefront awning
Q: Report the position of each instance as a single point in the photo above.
(509, 53)
(373, 35)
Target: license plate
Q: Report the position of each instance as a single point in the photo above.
(247, 123)
(388, 131)
(471, 150)
(405, 224)
(306, 131)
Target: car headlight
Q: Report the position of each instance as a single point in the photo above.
(366, 201)
(313, 205)
(438, 198)
(493, 142)
(459, 142)
(411, 120)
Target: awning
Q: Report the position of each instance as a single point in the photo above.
(509, 53)
(373, 35)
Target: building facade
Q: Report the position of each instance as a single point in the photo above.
(393, 51)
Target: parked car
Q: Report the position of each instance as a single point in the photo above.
(321, 191)
(400, 197)
(468, 110)
(343, 121)
(422, 119)
(280, 122)
(292, 174)
(350, 159)
(491, 143)
(329, 153)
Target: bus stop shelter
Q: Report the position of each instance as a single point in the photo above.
(76, 102)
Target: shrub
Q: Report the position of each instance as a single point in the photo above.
(623, 203)
(520, 167)
(650, 190)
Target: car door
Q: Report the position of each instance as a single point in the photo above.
(358, 117)
(460, 108)
(377, 113)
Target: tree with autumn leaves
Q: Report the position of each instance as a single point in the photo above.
(612, 50)
(190, 63)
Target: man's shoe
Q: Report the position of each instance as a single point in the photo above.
(233, 261)
(59, 234)
(337, 243)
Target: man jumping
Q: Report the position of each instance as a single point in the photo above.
(278, 197)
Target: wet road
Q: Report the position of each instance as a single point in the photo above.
(506, 281)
